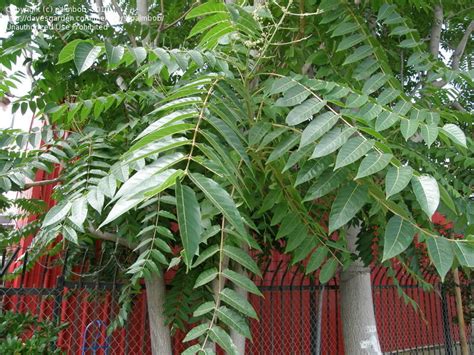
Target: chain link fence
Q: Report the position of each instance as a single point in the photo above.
(297, 315)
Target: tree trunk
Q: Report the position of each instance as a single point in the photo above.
(159, 331)
(358, 318)
(100, 10)
(142, 11)
(237, 338)
(460, 313)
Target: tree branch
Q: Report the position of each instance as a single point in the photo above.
(100, 10)
(436, 30)
(41, 183)
(123, 20)
(458, 106)
(110, 237)
(142, 11)
(458, 53)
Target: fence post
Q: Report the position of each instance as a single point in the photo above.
(448, 343)
(58, 299)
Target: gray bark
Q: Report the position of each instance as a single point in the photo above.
(237, 338)
(100, 10)
(358, 318)
(436, 30)
(159, 331)
(142, 11)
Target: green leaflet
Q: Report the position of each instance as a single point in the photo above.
(353, 150)
(206, 254)
(385, 11)
(288, 225)
(324, 185)
(427, 193)
(282, 85)
(464, 251)
(154, 147)
(185, 101)
(78, 211)
(455, 134)
(432, 118)
(374, 83)
(398, 236)
(95, 198)
(161, 133)
(318, 127)
(372, 163)
(386, 120)
(369, 111)
(294, 96)
(356, 100)
(85, 55)
(397, 179)
(350, 41)
(170, 181)
(70, 234)
(408, 127)
(441, 254)
(316, 259)
(283, 147)
(296, 237)
(189, 219)
(401, 30)
(344, 28)
(152, 186)
(241, 257)
(57, 213)
(108, 185)
(208, 22)
(242, 281)
(410, 43)
(429, 133)
(312, 169)
(332, 141)
(192, 350)
(349, 200)
(221, 200)
(197, 58)
(114, 54)
(337, 93)
(204, 309)
(238, 302)
(213, 36)
(67, 53)
(207, 9)
(230, 136)
(296, 156)
(205, 277)
(139, 54)
(234, 321)
(139, 181)
(304, 111)
(387, 96)
(359, 54)
(328, 270)
(220, 336)
(196, 332)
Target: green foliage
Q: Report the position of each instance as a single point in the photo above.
(195, 143)
(24, 333)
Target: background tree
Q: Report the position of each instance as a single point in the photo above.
(294, 126)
